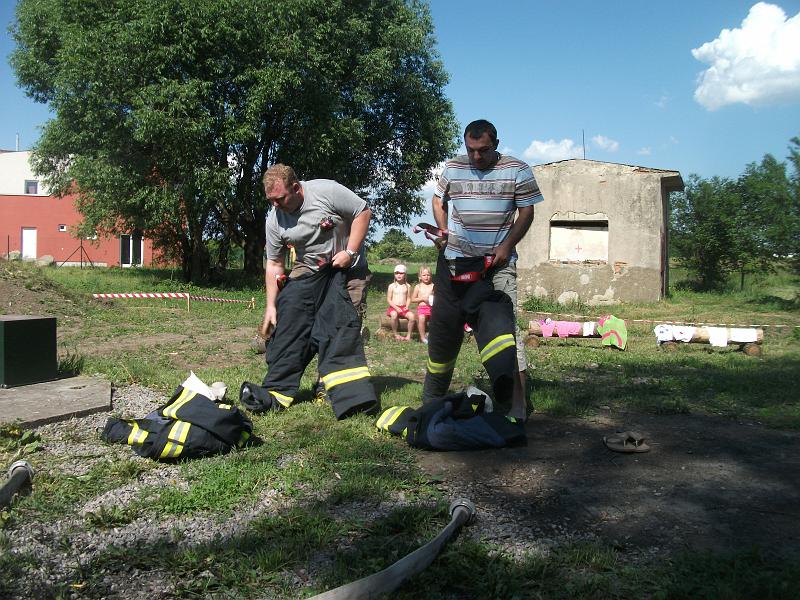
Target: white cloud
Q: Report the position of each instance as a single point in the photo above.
(644, 151)
(552, 150)
(758, 63)
(662, 101)
(605, 143)
(506, 150)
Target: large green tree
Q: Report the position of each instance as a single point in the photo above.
(168, 111)
(720, 226)
(703, 228)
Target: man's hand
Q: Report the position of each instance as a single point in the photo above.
(341, 260)
(269, 322)
(501, 255)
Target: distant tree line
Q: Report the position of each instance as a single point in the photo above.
(722, 226)
(167, 112)
(396, 244)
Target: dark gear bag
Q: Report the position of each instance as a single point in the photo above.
(189, 425)
(454, 422)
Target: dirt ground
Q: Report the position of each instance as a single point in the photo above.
(38, 298)
(706, 483)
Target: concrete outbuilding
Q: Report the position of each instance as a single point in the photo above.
(601, 234)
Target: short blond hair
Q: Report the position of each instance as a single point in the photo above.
(279, 172)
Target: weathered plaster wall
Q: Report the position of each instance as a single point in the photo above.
(632, 199)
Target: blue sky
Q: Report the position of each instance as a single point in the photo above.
(659, 84)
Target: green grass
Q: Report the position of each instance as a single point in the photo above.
(311, 463)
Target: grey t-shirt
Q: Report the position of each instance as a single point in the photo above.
(319, 228)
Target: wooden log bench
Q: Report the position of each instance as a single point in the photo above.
(701, 336)
(535, 333)
(385, 329)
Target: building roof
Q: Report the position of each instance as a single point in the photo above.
(672, 180)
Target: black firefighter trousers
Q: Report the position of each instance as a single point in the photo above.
(489, 312)
(316, 316)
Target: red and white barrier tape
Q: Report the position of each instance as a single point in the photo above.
(141, 295)
(172, 295)
(210, 299)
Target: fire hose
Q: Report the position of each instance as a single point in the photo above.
(433, 233)
(462, 511)
(20, 475)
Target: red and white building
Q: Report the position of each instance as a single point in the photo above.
(35, 224)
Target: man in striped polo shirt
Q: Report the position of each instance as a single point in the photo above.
(484, 203)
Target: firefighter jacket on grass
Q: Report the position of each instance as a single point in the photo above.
(489, 312)
(315, 316)
(458, 421)
(190, 425)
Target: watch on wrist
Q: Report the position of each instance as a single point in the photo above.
(351, 253)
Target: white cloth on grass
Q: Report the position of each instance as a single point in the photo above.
(588, 328)
(743, 335)
(718, 336)
(663, 333)
(683, 333)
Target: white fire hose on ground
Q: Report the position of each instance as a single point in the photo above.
(20, 475)
(462, 511)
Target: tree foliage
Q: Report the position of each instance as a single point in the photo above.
(395, 244)
(720, 225)
(168, 111)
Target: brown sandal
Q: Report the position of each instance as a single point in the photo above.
(626, 441)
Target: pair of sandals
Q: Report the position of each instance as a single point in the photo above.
(627, 442)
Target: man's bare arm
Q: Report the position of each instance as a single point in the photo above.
(271, 273)
(518, 231)
(358, 233)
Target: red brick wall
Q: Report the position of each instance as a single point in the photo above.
(46, 213)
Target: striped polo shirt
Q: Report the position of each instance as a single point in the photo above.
(481, 205)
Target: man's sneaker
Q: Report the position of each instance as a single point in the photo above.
(257, 399)
(320, 395)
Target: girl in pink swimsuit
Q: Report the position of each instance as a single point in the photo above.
(423, 298)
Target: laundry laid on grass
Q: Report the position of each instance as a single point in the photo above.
(613, 331)
(192, 424)
(716, 336)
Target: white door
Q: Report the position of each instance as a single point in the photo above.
(29, 242)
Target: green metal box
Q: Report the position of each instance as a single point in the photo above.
(28, 351)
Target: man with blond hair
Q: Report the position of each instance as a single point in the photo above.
(314, 313)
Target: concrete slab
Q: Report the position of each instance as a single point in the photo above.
(52, 401)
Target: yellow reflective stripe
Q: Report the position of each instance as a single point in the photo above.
(225, 406)
(386, 415)
(179, 431)
(177, 435)
(344, 376)
(498, 344)
(172, 409)
(389, 416)
(434, 367)
(137, 434)
(282, 398)
(243, 439)
(171, 450)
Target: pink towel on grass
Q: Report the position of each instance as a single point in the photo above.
(547, 326)
(568, 328)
